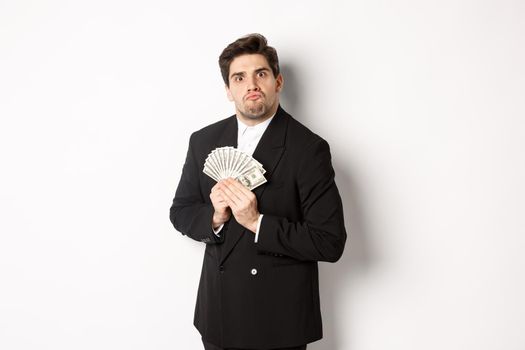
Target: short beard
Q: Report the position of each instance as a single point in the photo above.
(257, 111)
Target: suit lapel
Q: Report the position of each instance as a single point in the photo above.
(226, 137)
(229, 134)
(268, 152)
(270, 148)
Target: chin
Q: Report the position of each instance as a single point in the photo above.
(255, 113)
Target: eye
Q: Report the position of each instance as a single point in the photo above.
(238, 78)
(261, 74)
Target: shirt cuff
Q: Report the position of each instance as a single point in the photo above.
(218, 230)
(258, 227)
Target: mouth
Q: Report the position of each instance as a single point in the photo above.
(253, 97)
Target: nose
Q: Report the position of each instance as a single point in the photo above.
(252, 84)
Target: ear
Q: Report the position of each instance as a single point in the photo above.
(279, 83)
(228, 93)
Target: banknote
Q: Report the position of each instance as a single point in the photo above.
(224, 162)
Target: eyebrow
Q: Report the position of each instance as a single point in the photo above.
(262, 69)
(237, 74)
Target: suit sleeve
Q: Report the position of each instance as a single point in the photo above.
(190, 214)
(320, 235)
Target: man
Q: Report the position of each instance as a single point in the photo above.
(259, 285)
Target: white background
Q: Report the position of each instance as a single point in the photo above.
(422, 103)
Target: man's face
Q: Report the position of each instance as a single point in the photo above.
(253, 88)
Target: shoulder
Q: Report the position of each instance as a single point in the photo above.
(309, 151)
(213, 129)
(300, 136)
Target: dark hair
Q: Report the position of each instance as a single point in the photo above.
(249, 44)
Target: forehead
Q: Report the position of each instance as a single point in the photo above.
(247, 63)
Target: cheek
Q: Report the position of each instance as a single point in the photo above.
(234, 96)
(272, 88)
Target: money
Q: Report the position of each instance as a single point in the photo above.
(224, 162)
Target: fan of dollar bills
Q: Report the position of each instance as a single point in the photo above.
(224, 162)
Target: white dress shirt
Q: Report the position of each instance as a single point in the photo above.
(248, 138)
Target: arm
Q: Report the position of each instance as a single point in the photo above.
(320, 235)
(190, 214)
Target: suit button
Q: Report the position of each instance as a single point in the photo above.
(221, 269)
(254, 272)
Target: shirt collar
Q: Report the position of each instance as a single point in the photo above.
(258, 127)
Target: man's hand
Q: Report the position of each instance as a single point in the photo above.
(242, 202)
(222, 211)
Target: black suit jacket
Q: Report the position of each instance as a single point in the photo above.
(265, 294)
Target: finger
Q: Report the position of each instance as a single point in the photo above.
(228, 196)
(215, 196)
(239, 190)
(222, 202)
(237, 184)
(216, 186)
(217, 199)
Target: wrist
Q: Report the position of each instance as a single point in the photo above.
(253, 226)
(218, 219)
